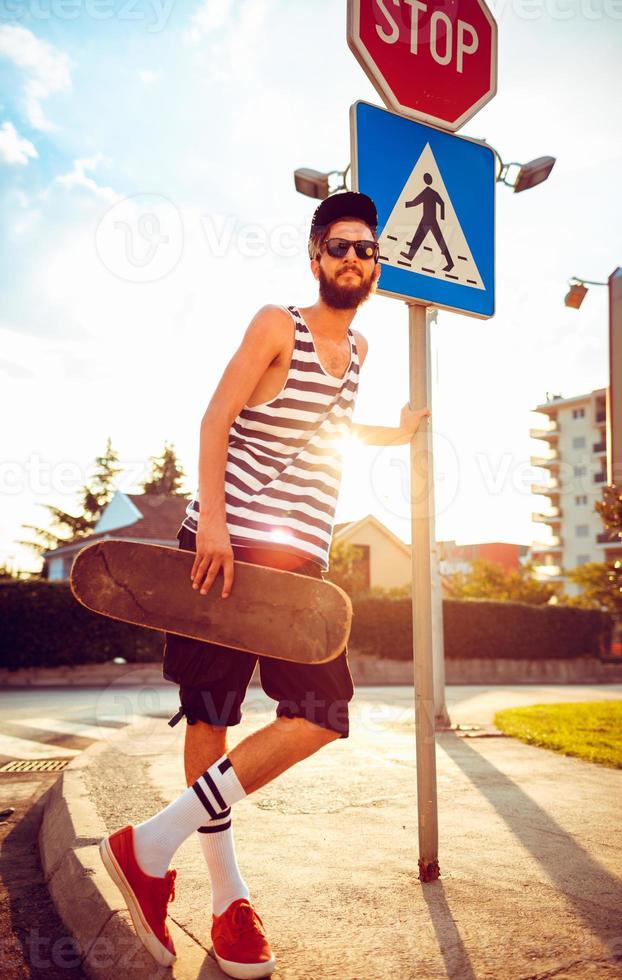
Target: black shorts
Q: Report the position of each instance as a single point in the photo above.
(213, 679)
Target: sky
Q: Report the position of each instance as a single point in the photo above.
(148, 210)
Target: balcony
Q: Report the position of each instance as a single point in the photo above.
(550, 547)
(600, 478)
(550, 460)
(551, 488)
(550, 432)
(548, 573)
(600, 447)
(601, 415)
(608, 537)
(551, 516)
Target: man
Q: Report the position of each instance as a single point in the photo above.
(269, 472)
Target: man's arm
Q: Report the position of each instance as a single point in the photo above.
(387, 435)
(264, 339)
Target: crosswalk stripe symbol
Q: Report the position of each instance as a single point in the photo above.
(423, 233)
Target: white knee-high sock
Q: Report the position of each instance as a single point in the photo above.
(157, 839)
(218, 848)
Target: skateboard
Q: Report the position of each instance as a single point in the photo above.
(269, 612)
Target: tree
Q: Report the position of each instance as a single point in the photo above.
(601, 585)
(490, 580)
(345, 569)
(601, 582)
(166, 474)
(7, 572)
(92, 499)
(610, 509)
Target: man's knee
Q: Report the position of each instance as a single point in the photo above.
(203, 732)
(204, 745)
(309, 730)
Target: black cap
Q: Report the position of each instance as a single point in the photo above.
(349, 204)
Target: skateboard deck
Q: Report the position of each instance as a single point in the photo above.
(269, 612)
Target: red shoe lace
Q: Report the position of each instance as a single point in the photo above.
(245, 919)
(170, 879)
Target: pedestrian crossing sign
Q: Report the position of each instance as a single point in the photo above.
(435, 195)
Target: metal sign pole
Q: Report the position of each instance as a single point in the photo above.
(421, 476)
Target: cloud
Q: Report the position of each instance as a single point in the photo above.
(147, 76)
(13, 147)
(78, 178)
(209, 18)
(47, 70)
(234, 53)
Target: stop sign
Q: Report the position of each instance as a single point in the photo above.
(432, 61)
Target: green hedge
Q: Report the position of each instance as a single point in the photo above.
(42, 624)
(482, 628)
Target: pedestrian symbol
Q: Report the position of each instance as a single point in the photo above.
(423, 232)
(435, 197)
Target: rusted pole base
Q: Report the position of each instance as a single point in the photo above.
(429, 871)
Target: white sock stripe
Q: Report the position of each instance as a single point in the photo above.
(215, 802)
(199, 788)
(228, 783)
(214, 790)
(218, 829)
(218, 821)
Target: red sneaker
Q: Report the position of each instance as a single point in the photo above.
(146, 897)
(239, 942)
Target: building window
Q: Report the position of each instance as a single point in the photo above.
(578, 413)
(580, 470)
(362, 562)
(581, 559)
(56, 569)
(581, 500)
(582, 530)
(578, 442)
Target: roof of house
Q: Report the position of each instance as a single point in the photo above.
(353, 526)
(160, 519)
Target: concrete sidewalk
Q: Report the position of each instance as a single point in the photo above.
(530, 854)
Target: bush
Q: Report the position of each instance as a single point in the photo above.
(41, 624)
(483, 628)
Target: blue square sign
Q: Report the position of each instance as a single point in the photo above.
(435, 195)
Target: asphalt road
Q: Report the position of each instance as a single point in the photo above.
(58, 723)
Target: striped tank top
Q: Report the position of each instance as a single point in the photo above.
(284, 459)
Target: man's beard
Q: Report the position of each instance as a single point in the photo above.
(344, 297)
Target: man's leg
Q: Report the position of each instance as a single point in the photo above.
(205, 744)
(257, 760)
(265, 754)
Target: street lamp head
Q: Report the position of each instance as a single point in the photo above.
(316, 183)
(578, 288)
(313, 183)
(575, 295)
(533, 173)
(527, 174)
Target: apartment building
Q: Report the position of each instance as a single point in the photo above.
(573, 460)
(459, 557)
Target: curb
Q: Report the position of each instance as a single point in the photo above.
(86, 899)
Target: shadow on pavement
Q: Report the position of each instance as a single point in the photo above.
(565, 862)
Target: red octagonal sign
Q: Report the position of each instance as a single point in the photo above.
(433, 61)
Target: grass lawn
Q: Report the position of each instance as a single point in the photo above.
(590, 730)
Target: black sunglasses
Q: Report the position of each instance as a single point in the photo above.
(338, 248)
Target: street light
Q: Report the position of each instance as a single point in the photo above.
(529, 174)
(315, 183)
(578, 289)
(613, 404)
